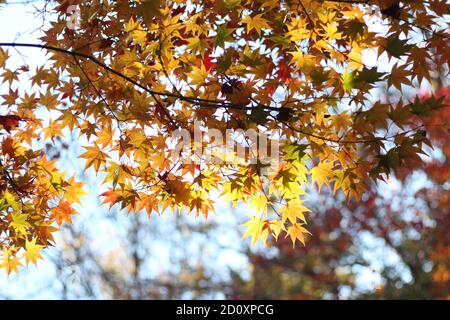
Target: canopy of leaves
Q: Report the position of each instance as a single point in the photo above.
(409, 223)
(131, 73)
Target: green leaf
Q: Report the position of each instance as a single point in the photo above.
(223, 35)
(281, 40)
(347, 81)
(419, 108)
(295, 151)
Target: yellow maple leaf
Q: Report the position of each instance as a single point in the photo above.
(305, 63)
(116, 174)
(322, 173)
(198, 75)
(105, 137)
(3, 57)
(19, 223)
(296, 232)
(131, 25)
(293, 210)
(10, 199)
(95, 157)
(10, 263)
(257, 229)
(259, 203)
(197, 45)
(74, 190)
(32, 251)
(276, 226)
(257, 22)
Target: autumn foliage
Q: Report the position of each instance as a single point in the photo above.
(131, 73)
(405, 222)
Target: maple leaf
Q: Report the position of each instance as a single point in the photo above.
(95, 157)
(259, 202)
(296, 232)
(32, 251)
(197, 45)
(105, 137)
(305, 63)
(348, 82)
(149, 9)
(63, 212)
(393, 10)
(11, 200)
(131, 25)
(10, 98)
(149, 203)
(10, 76)
(19, 223)
(111, 197)
(256, 22)
(293, 210)
(256, 229)
(116, 174)
(309, 72)
(321, 173)
(295, 152)
(209, 63)
(367, 76)
(276, 226)
(10, 263)
(74, 190)
(399, 76)
(9, 122)
(198, 75)
(8, 146)
(223, 35)
(3, 57)
(401, 115)
(396, 47)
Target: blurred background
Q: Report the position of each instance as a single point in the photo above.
(393, 244)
